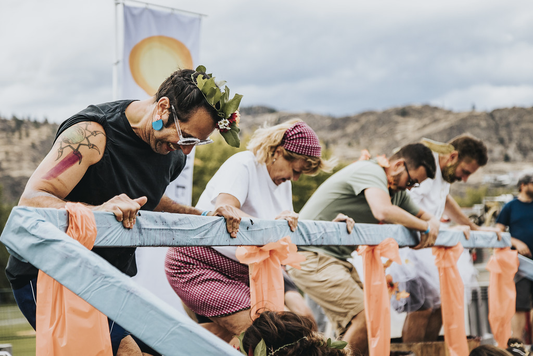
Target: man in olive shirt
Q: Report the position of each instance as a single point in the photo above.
(368, 193)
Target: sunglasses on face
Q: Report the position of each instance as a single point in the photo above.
(411, 183)
(187, 141)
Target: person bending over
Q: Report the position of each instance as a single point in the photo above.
(369, 193)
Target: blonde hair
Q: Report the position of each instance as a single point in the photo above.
(266, 140)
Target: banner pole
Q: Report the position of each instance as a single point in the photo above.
(117, 59)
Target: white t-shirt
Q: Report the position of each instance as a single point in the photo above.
(249, 182)
(432, 193)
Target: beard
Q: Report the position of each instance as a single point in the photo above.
(448, 173)
(393, 184)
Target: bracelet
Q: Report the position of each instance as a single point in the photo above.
(205, 213)
(428, 230)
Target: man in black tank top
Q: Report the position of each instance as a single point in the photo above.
(120, 157)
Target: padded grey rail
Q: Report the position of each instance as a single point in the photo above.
(165, 229)
(37, 235)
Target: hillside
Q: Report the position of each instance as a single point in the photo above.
(507, 132)
(23, 144)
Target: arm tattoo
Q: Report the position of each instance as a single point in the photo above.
(75, 137)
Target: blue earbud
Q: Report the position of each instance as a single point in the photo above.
(157, 125)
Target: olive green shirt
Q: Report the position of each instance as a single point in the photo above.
(343, 193)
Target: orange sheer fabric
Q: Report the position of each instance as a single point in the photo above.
(377, 300)
(502, 265)
(66, 324)
(452, 298)
(266, 277)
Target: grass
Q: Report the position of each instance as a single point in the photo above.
(15, 330)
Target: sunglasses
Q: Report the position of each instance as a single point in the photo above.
(410, 181)
(187, 141)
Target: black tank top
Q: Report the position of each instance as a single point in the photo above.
(129, 166)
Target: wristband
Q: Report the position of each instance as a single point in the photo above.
(428, 230)
(205, 213)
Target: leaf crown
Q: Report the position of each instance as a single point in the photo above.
(228, 122)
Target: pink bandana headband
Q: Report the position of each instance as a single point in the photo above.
(301, 139)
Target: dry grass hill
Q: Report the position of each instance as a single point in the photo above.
(507, 132)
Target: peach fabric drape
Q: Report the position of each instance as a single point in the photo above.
(452, 298)
(377, 300)
(66, 324)
(266, 277)
(502, 265)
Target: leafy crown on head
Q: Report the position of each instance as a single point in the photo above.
(228, 121)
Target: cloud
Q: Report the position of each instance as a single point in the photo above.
(336, 57)
(486, 97)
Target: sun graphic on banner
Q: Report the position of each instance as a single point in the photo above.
(154, 58)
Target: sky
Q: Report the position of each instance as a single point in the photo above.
(327, 57)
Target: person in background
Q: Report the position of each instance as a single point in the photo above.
(517, 215)
(455, 161)
(370, 192)
(257, 183)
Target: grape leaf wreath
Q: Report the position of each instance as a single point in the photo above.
(227, 109)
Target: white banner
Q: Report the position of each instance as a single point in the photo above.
(156, 44)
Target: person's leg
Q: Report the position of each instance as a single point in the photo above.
(415, 326)
(233, 324)
(26, 298)
(518, 324)
(335, 286)
(295, 302)
(356, 334)
(523, 304)
(434, 325)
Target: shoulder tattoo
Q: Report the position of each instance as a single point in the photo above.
(75, 137)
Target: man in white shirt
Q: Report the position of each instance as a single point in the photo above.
(455, 161)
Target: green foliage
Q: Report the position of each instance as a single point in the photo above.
(477, 194)
(472, 196)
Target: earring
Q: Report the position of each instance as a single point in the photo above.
(158, 123)
(274, 160)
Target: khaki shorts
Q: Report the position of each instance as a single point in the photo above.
(333, 284)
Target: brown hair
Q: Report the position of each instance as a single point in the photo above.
(180, 88)
(416, 155)
(469, 147)
(287, 334)
(488, 350)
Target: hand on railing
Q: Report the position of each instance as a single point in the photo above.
(350, 223)
(232, 216)
(428, 240)
(291, 217)
(491, 229)
(521, 247)
(124, 208)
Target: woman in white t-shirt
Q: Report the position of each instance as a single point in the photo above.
(210, 281)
